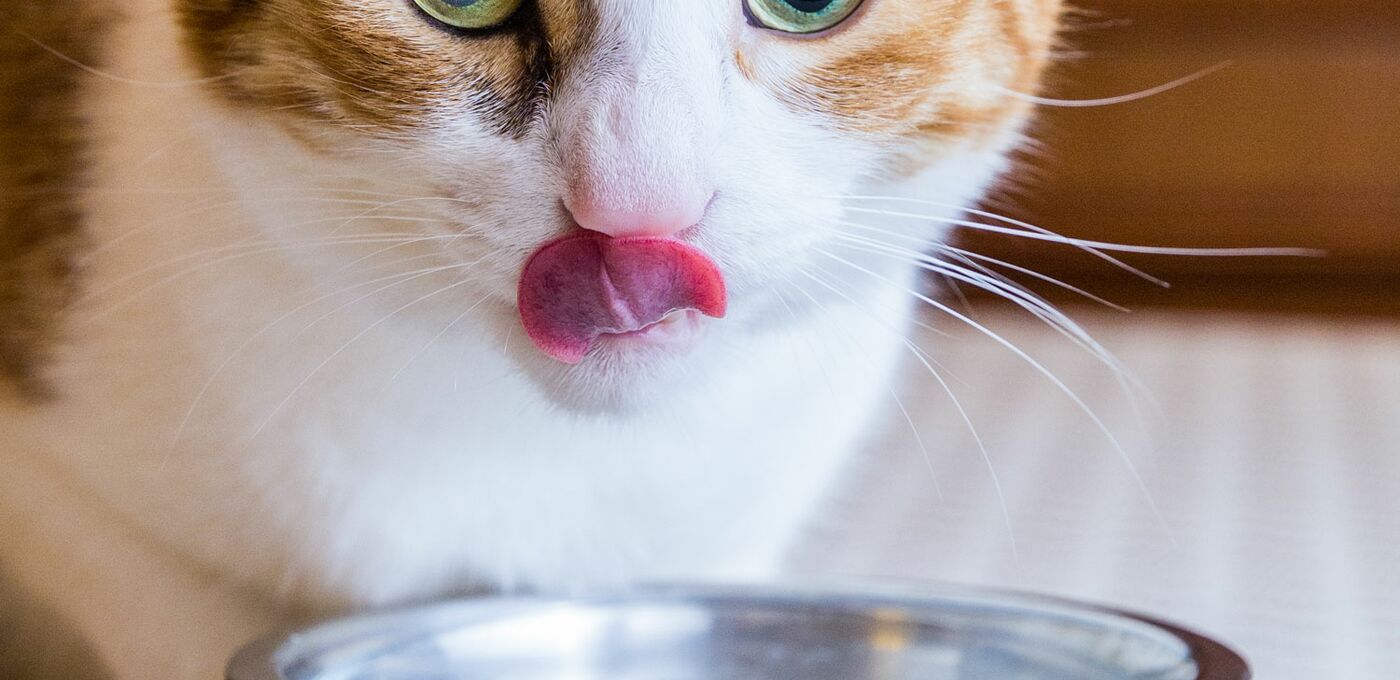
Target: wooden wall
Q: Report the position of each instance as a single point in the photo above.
(1296, 144)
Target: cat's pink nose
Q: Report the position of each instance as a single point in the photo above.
(668, 217)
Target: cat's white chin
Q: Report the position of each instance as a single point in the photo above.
(631, 374)
(674, 333)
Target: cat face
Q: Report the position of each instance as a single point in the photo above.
(622, 173)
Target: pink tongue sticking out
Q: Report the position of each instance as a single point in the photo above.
(580, 287)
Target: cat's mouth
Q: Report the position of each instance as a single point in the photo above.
(588, 288)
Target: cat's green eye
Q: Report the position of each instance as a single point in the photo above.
(470, 14)
(801, 16)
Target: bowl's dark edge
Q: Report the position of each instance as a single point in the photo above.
(1215, 659)
(258, 660)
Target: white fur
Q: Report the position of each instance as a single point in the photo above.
(480, 463)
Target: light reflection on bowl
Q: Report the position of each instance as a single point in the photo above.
(712, 633)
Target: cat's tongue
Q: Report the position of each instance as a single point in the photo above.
(581, 287)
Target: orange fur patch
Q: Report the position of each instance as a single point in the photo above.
(936, 69)
(380, 68)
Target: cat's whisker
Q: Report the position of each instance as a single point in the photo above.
(402, 278)
(810, 342)
(970, 255)
(317, 321)
(113, 77)
(190, 136)
(1061, 323)
(963, 414)
(405, 189)
(1031, 231)
(262, 201)
(925, 243)
(1022, 298)
(970, 265)
(462, 357)
(990, 282)
(373, 212)
(321, 366)
(348, 239)
(1059, 384)
(953, 285)
(1101, 245)
(437, 337)
(412, 242)
(265, 249)
(1120, 99)
(369, 150)
(1093, 247)
(1132, 386)
(953, 207)
(909, 420)
(194, 190)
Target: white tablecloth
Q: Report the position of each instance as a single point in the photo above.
(1272, 459)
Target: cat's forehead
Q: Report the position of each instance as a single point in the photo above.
(628, 11)
(895, 66)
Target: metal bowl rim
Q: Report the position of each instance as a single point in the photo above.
(1215, 660)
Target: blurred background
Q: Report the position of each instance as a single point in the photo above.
(1246, 480)
(1295, 143)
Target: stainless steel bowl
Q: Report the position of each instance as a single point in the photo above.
(700, 633)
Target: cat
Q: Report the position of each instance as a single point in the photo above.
(312, 306)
